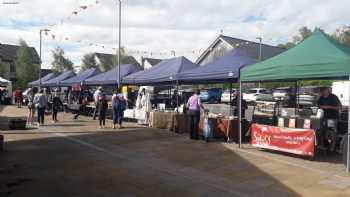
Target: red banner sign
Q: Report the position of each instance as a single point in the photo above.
(291, 140)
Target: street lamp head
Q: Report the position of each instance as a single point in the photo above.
(45, 30)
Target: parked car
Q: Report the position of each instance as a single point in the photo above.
(283, 93)
(308, 95)
(251, 94)
(264, 97)
(211, 95)
(225, 97)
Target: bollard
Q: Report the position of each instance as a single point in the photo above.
(1, 143)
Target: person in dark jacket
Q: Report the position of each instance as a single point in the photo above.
(103, 106)
(56, 106)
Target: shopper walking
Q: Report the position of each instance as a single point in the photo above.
(194, 105)
(102, 106)
(96, 96)
(31, 105)
(56, 105)
(118, 106)
(40, 101)
(18, 97)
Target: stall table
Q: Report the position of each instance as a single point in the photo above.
(226, 128)
(181, 123)
(161, 120)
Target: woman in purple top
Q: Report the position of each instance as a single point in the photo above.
(194, 106)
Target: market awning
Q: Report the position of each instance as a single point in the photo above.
(317, 57)
(222, 70)
(111, 77)
(43, 79)
(57, 80)
(4, 82)
(164, 72)
(80, 78)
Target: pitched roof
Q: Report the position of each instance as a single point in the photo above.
(111, 58)
(252, 48)
(152, 61)
(9, 52)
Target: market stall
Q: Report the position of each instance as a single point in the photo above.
(6, 88)
(317, 57)
(43, 79)
(224, 69)
(163, 73)
(111, 77)
(55, 82)
(80, 78)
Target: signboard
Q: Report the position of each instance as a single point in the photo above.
(290, 140)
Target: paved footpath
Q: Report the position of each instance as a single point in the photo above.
(74, 158)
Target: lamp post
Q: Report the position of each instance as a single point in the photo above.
(41, 38)
(260, 43)
(119, 43)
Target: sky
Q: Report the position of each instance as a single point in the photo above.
(158, 28)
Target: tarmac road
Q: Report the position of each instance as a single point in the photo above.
(73, 158)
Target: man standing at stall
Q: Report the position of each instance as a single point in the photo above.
(331, 106)
(194, 106)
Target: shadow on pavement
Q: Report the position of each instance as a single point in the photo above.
(137, 162)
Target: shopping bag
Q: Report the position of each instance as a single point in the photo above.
(207, 129)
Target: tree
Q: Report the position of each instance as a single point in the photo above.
(304, 32)
(89, 61)
(342, 34)
(60, 63)
(26, 69)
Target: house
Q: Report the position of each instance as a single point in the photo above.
(148, 63)
(224, 44)
(110, 60)
(8, 59)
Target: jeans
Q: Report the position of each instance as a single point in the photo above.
(54, 114)
(102, 117)
(195, 118)
(96, 110)
(41, 115)
(118, 117)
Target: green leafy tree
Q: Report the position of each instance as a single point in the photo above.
(304, 32)
(342, 34)
(89, 61)
(60, 63)
(26, 69)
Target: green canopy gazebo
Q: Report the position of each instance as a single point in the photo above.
(317, 57)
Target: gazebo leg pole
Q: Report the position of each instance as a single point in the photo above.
(348, 136)
(177, 96)
(240, 115)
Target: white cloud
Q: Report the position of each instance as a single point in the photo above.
(162, 26)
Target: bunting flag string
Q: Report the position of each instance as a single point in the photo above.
(169, 53)
(163, 53)
(76, 11)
